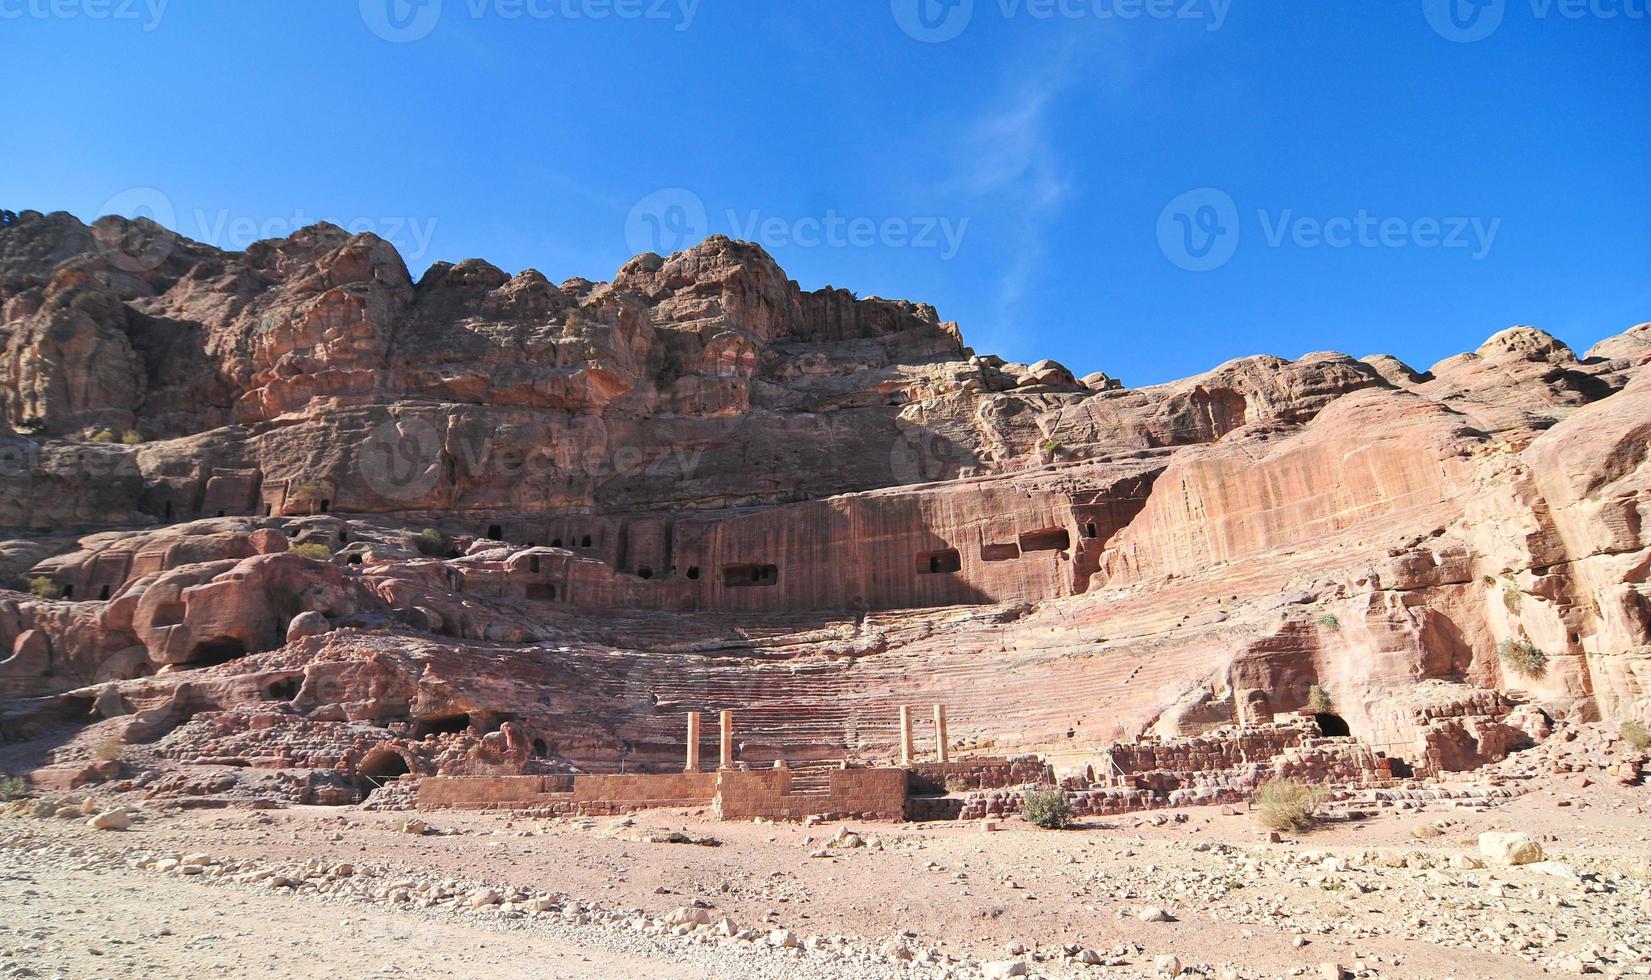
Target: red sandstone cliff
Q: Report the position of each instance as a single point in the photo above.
(565, 514)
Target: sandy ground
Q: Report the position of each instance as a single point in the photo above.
(1237, 902)
(90, 924)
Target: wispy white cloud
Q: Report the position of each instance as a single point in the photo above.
(1012, 166)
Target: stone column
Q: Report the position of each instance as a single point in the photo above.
(693, 743)
(727, 740)
(905, 736)
(941, 752)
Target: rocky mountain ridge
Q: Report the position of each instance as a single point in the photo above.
(286, 510)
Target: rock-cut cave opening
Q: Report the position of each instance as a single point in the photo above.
(1332, 725)
(441, 725)
(220, 651)
(382, 766)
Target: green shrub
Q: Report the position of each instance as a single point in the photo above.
(102, 435)
(1511, 597)
(1046, 808)
(314, 549)
(1521, 657)
(1489, 580)
(1052, 447)
(1330, 623)
(130, 438)
(1319, 701)
(1287, 804)
(431, 543)
(1635, 735)
(42, 587)
(108, 750)
(13, 788)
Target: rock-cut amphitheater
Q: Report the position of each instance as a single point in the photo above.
(289, 526)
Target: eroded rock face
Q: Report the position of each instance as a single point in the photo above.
(289, 510)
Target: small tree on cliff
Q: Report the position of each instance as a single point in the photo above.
(1522, 658)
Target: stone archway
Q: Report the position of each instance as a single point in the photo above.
(380, 766)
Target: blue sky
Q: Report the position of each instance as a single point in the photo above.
(1142, 187)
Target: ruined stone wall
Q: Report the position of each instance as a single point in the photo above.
(564, 794)
(1226, 749)
(978, 773)
(733, 794)
(875, 794)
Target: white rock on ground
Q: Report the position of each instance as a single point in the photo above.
(1509, 849)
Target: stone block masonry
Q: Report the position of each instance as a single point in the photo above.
(592, 795)
(1223, 767)
(866, 794)
(733, 794)
(983, 772)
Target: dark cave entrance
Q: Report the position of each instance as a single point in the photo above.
(220, 651)
(540, 749)
(443, 725)
(1047, 539)
(743, 576)
(939, 562)
(541, 591)
(282, 690)
(1332, 726)
(382, 766)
